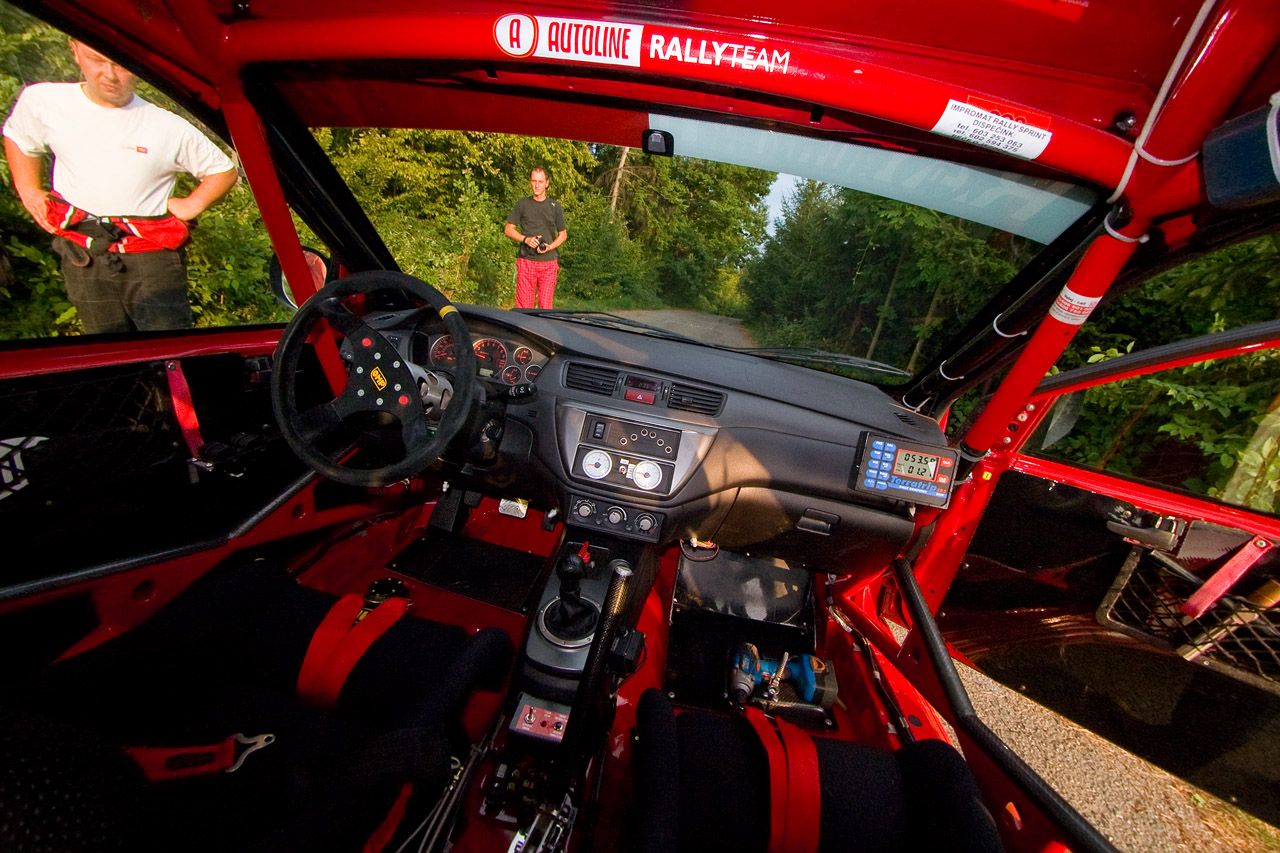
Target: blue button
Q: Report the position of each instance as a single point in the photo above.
(878, 445)
(869, 483)
(881, 486)
(883, 475)
(876, 454)
(891, 447)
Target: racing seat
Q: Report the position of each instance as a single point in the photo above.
(703, 782)
(223, 659)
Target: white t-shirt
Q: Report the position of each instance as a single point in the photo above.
(110, 161)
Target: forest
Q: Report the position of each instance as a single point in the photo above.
(838, 270)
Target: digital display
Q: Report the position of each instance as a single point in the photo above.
(642, 384)
(893, 468)
(918, 465)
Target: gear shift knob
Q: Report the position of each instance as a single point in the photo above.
(571, 570)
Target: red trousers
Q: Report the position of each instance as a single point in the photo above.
(535, 276)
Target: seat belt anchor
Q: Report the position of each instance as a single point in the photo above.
(251, 745)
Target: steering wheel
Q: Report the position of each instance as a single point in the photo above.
(380, 381)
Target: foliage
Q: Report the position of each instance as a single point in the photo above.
(1208, 428)
(872, 276)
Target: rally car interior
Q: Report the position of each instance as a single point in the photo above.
(411, 575)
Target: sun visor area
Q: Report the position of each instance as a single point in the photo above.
(1036, 208)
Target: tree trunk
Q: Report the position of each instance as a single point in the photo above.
(928, 321)
(617, 182)
(1123, 433)
(888, 298)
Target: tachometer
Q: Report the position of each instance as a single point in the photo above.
(442, 352)
(491, 357)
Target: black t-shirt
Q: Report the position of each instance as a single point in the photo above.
(543, 219)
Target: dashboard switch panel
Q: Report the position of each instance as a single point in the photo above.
(619, 519)
(904, 470)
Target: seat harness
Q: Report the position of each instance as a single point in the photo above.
(795, 792)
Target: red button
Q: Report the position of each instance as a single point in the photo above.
(640, 396)
(367, 342)
(404, 400)
(946, 463)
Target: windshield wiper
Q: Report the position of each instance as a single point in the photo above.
(612, 321)
(808, 355)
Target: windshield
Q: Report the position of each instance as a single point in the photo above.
(865, 263)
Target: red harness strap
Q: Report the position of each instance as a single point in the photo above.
(162, 763)
(795, 794)
(339, 643)
(387, 829)
(777, 777)
(804, 790)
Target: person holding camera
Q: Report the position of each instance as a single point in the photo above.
(537, 224)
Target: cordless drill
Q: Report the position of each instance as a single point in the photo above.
(813, 680)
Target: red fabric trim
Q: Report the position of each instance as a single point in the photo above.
(183, 406)
(354, 645)
(324, 642)
(382, 835)
(338, 645)
(147, 233)
(804, 790)
(777, 778)
(163, 763)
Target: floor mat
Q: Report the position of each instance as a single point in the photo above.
(490, 573)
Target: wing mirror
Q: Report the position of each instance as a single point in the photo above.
(321, 272)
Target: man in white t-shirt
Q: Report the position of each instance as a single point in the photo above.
(116, 159)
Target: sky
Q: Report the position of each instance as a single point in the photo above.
(781, 188)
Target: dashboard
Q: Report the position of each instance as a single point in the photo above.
(658, 440)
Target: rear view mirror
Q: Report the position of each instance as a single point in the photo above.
(319, 265)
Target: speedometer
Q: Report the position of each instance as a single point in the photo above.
(491, 357)
(442, 352)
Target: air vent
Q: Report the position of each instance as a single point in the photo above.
(587, 377)
(907, 419)
(697, 400)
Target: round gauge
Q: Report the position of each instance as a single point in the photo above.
(491, 357)
(531, 372)
(646, 475)
(442, 352)
(522, 355)
(597, 464)
(511, 374)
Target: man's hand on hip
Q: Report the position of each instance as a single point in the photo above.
(184, 208)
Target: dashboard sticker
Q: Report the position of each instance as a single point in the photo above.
(972, 123)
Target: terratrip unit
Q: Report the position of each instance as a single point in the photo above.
(904, 470)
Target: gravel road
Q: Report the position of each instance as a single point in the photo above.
(1138, 806)
(708, 328)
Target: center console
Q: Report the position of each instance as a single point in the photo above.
(624, 465)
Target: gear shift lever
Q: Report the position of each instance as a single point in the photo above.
(570, 617)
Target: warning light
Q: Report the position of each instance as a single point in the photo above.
(404, 399)
(367, 342)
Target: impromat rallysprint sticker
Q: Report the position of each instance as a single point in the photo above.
(970, 123)
(1072, 308)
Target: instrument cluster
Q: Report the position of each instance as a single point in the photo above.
(507, 362)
